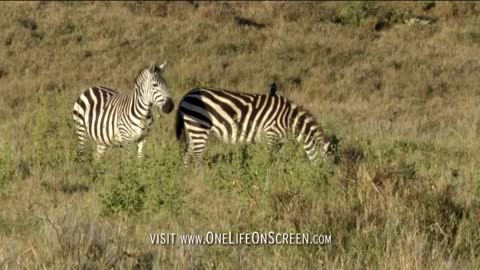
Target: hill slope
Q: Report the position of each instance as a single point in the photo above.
(398, 82)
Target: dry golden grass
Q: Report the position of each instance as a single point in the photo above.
(403, 98)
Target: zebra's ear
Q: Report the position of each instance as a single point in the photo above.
(152, 67)
(332, 144)
(326, 147)
(163, 66)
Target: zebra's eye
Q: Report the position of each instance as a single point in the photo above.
(155, 85)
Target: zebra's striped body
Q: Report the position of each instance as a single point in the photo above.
(120, 119)
(244, 118)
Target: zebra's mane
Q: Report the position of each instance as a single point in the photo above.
(142, 75)
(309, 114)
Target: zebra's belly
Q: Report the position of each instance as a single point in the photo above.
(130, 135)
(239, 136)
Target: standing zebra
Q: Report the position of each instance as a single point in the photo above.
(245, 118)
(120, 119)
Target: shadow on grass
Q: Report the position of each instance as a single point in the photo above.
(68, 188)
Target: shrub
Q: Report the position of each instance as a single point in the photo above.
(124, 194)
(356, 12)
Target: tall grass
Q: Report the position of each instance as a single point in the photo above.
(403, 194)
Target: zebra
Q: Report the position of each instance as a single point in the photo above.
(111, 118)
(246, 118)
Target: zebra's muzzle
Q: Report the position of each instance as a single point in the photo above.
(168, 106)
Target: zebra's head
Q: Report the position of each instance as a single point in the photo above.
(325, 148)
(330, 148)
(155, 88)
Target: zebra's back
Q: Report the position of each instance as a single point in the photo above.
(231, 116)
(93, 113)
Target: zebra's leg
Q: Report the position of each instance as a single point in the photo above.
(140, 146)
(198, 151)
(141, 142)
(196, 138)
(275, 143)
(81, 135)
(100, 151)
(187, 160)
(125, 150)
(195, 150)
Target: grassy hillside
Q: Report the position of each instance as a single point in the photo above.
(403, 97)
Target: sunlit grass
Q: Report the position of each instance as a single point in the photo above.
(403, 99)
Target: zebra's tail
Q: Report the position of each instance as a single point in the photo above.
(180, 126)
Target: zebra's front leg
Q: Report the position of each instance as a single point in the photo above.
(125, 150)
(81, 135)
(140, 146)
(274, 142)
(141, 142)
(100, 151)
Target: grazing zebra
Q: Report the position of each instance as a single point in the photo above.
(245, 118)
(120, 119)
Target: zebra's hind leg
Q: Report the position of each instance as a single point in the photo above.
(187, 160)
(195, 153)
(197, 137)
(82, 136)
(198, 152)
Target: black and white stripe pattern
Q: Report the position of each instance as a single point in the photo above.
(245, 118)
(120, 119)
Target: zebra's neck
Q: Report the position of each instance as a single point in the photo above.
(142, 93)
(140, 104)
(306, 130)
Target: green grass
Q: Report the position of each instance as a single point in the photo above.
(403, 98)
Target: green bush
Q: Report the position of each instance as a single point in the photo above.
(147, 185)
(124, 193)
(53, 138)
(356, 12)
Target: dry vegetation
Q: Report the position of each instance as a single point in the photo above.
(404, 99)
